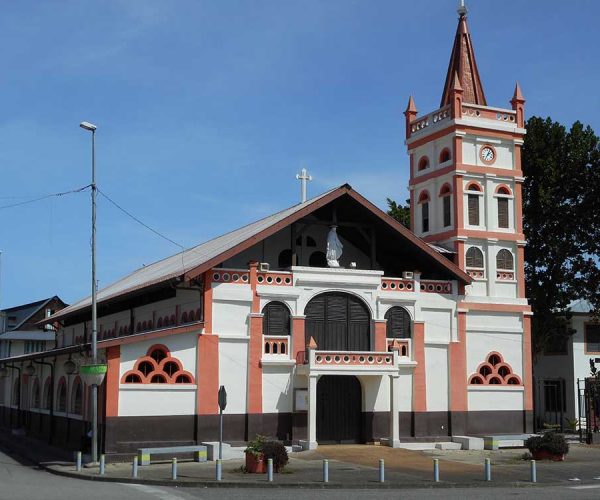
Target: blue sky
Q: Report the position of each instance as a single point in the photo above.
(206, 111)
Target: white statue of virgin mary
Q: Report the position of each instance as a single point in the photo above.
(334, 248)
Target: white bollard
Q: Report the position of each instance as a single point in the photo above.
(488, 470)
(174, 469)
(78, 461)
(219, 470)
(533, 472)
(102, 465)
(381, 470)
(134, 468)
(270, 470)
(436, 470)
(325, 471)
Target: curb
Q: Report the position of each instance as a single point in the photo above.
(308, 485)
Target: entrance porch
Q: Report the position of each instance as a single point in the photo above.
(344, 386)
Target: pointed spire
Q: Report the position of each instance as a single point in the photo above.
(311, 343)
(518, 96)
(411, 107)
(462, 63)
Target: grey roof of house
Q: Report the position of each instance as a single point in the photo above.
(25, 311)
(27, 335)
(581, 306)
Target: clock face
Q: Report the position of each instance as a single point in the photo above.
(487, 153)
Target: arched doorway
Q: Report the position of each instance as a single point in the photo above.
(339, 410)
(338, 322)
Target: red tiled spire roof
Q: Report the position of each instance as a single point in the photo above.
(462, 62)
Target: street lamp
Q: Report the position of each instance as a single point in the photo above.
(93, 373)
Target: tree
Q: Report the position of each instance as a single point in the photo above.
(561, 221)
(399, 212)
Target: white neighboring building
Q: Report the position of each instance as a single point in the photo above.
(561, 370)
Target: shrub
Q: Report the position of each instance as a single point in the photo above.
(275, 450)
(549, 441)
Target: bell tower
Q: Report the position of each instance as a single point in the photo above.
(465, 176)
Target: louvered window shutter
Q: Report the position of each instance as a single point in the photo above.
(503, 212)
(474, 257)
(473, 200)
(504, 260)
(276, 319)
(398, 323)
(425, 216)
(447, 220)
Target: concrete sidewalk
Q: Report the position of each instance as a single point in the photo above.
(350, 466)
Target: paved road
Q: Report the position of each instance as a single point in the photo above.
(22, 480)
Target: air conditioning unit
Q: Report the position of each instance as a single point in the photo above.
(264, 267)
(408, 275)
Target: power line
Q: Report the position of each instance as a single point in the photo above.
(129, 214)
(45, 197)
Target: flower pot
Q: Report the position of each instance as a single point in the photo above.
(547, 455)
(254, 464)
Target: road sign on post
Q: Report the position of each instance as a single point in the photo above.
(222, 405)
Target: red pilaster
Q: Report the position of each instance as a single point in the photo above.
(380, 335)
(255, 347)
(208, 374)
(113, 358)
(208, 302)
(299, 338)
(419, 376)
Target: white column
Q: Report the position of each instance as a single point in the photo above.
(394, 439)
(311, 444)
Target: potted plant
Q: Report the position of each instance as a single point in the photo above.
(260, 450)
(548, 446)
(255, 462)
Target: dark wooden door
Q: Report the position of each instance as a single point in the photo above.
(338, 322)
(339, 410)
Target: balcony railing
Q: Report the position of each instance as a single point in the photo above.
(276, 345)
(336, 361)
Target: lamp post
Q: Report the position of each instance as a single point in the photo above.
(94, 369)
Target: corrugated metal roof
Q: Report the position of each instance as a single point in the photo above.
(178, 264)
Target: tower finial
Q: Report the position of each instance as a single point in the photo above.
(462, 9)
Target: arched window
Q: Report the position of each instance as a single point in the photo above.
(398, 323)
(424, 203)
(445, 194)
(474, 257)
(61, 396)
(473, 203)
(317, 259)
(35, 393)
(77, 397)
(47, 395)
(503, 213)
(504, 260)
(310, 242)
(423, 163)
(276, 319)
(445, 155)
(158, 354)
(285, 259)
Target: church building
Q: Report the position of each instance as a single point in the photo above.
(326, 322)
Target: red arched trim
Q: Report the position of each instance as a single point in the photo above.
(162, 347)
(494, 371)
(424, 196)
(445, 190)
(157, 371)
(423, 163)
(474, 186)
(445, 155)
(503, 189)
